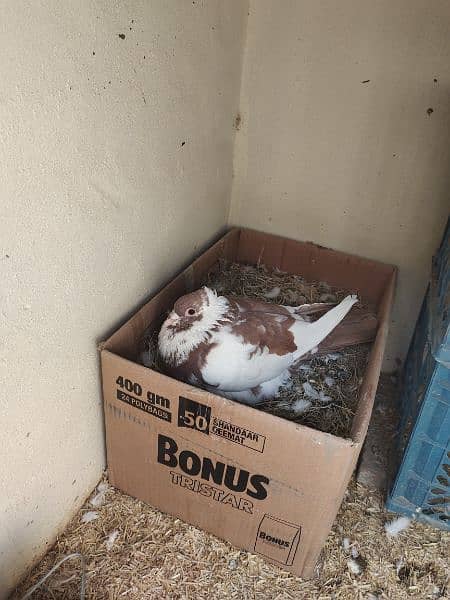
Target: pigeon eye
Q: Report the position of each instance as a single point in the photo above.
(190, 312)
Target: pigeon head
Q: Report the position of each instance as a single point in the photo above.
(190, 323)
(189, 308)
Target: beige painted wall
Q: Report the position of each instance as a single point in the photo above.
(100, 203)
(356, 166)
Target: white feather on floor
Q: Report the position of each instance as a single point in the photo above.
(354, 567)
(393, 528)
(99, 498)
(112, 537)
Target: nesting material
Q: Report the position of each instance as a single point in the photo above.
(158, 557)
(331, 408)
(323, 391)
(271, 284)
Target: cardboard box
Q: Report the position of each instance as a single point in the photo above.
(263, 483)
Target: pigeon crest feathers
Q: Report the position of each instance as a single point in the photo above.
(190, 324)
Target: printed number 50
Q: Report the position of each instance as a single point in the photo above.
(195, 421)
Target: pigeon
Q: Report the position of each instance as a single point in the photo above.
(241, 348)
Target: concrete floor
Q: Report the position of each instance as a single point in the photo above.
(378, 461)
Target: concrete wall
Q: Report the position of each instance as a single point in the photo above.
(116, 153)
(336, 144)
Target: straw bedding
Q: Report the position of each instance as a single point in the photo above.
(156, 556)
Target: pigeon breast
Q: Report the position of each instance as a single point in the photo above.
(253, 347)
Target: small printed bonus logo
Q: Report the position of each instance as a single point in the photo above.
(194, 415)
(277, 539)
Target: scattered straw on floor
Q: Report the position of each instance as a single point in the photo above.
(157, 557)
(328, 385)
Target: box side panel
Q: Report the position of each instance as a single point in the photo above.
(264, 484)
(372, 374)
(326, 518)
(316, 263)
(361, 419)
(125, 340)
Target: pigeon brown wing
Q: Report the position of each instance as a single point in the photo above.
(266, 331)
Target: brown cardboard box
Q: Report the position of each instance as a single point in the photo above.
(263, 483)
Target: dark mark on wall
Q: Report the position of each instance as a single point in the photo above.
(121, 35)
(430, 111)
(93, 53)
(237, 122)
(183, 143)
(7, 255)
(365, 81)
(435, 80)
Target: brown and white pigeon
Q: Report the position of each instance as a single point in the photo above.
(239, 347)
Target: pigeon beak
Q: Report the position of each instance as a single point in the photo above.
(172, 318)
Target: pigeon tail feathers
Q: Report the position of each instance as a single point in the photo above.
(320, 329)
